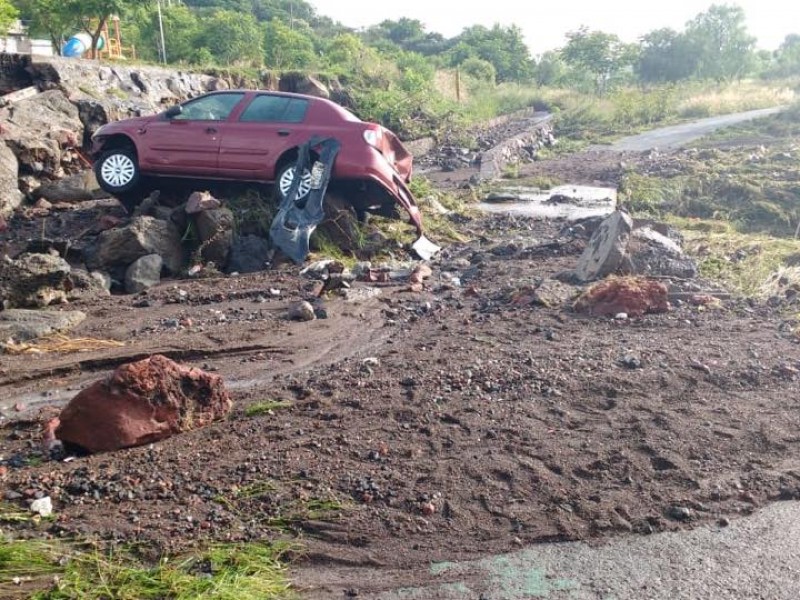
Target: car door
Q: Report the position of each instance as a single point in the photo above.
(268, 126)
(188, 143)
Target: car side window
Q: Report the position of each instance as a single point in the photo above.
(216, 107)
(275, 109)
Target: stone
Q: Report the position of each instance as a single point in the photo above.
(200, 201)
(215, 230)
(42, 506)
(552, 293)
(301, 311)
(141, 403)
(633, 296)
(44, 133)
(143, 273)
(249, 254)
(142, 236)
(34, 280)
(10, 196)
(23, 324)
(606, 248)
(654, 254)
(85, 285)
(75, 188)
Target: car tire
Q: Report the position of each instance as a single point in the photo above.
(284, 180)
(117, 171)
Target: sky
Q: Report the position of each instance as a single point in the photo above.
(544, 24)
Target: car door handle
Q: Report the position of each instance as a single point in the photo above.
(283, 132)
(211, 130)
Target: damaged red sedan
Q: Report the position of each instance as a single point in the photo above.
(253, 135)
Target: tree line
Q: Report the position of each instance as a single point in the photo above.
(289, 34)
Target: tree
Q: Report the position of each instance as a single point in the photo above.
(232, 38)
(181, 32)
(287, 48)
(719, 38)
(666, 55)
(48, 18)
(504, 47)
(93, 15)
(787, 58)
(603, 55)
(8, 14)
(549, 69)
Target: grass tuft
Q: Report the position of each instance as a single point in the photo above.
(60, 571)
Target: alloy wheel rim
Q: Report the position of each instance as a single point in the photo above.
(285, 183)
(118, 170)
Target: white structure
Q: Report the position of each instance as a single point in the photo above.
(16, 41)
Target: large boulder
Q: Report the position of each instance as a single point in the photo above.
(143, 273)
(215, 230)
(34, 280)
(10, 196)
(142, 236)
(44, 133)
(654, 254)
(606, 248)
(140, 403)
(22, 324)
(249, 253)
(632, 296)
(75, 188)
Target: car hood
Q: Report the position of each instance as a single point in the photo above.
(125, 125)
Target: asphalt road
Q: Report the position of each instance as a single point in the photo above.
(668, 138)
(756, 557)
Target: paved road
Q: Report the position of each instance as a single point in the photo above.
(679, 135)
(756, 557)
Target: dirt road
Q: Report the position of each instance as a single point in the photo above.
(417, 427)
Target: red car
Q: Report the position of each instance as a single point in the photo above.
(250, 135)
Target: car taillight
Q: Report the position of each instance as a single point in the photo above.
(373, 137)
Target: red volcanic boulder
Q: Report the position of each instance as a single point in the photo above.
(140, 403)
(633, 296)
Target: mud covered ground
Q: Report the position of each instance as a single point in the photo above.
(424, 426)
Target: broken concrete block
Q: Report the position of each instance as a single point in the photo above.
(606, 248)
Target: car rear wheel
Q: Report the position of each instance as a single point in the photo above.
(285, 179)
(117, 170)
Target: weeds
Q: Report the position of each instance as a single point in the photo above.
(68, 571)
(266, 407)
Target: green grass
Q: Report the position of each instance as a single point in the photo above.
(222, 571)
(742, 263)
(266, 407)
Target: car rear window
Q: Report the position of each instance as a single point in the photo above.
(281, 109)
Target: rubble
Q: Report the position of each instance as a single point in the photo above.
(140, 403)
(10, 196)
(34, 281)
(142, 236)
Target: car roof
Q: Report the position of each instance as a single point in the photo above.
(344, 111)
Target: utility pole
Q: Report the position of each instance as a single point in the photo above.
(161, 31)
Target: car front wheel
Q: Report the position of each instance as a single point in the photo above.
(285, 180)
(117, 171)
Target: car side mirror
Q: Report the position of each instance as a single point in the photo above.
(174, 111)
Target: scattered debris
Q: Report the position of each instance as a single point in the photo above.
(301, 311)
(42, 506)
(59, 343)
